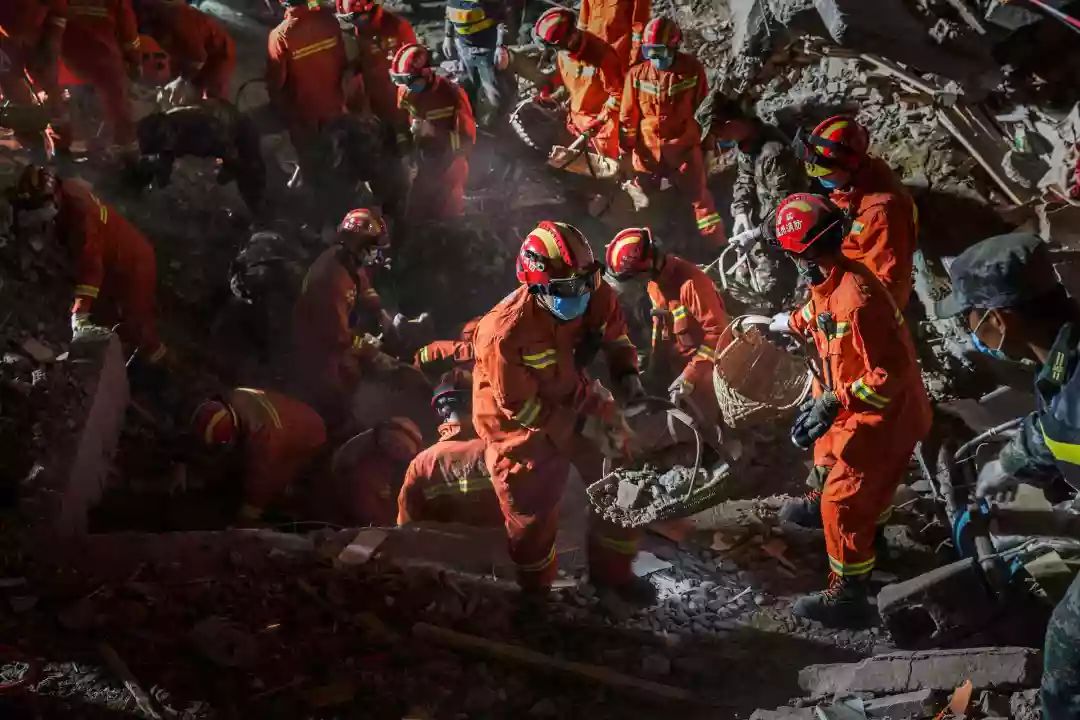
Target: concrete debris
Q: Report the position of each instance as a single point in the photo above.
(990, 668)
(38, 350)
(785, 713)
(913, 704)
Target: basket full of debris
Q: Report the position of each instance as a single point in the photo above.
(756, 381)
(670, 482)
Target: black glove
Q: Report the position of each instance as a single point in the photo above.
(815, 417)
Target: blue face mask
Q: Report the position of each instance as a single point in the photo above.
(568, 308)
(663, 62)
(726, 144)
(828, 184)
(418, 85)
(986, 349)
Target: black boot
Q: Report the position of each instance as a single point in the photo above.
(804, 511)
(844, 604)
(623, 600)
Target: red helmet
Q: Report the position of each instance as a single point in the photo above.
(400, 437)
(411, 61)
(631, 253)
(356, 7)
(214, 422)
(364, 222)
(804, 220)
(662, 31)
(837, 144)
(554, 26)
(556, 256)
(35, 187)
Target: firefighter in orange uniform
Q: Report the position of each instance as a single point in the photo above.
(31, 34)
(869, 408)
(380, 34)
(449, 482)
(276, 437)
(659, 129)
(101, 46)
(537, 411)
(336, 306)
(199, 47)
(442, 356)
(443, 132)
(619, 23)
(304, 72)
(688, 317)
(592, 73)
(885, 227)
(114, 261)
(369, 470)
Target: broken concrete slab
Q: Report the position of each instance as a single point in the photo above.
(913, 704)
(991, 668)
(931, 608)
(785, 713)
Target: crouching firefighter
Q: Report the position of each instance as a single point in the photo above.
(273, 437)
(1006, 290)
(449, 481)
(115, 265)
(688, 318)
(537, 411)
(869, 407)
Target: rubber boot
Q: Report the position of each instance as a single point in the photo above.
(844, 604)
(804, 511)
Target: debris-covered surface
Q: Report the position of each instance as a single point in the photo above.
(272, 633)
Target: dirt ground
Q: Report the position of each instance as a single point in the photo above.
(288, 634)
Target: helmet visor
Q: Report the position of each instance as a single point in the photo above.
(576, 285)
(657, 52)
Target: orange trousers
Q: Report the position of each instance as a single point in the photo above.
(687, 174)
(129, 296)
(216, 74)
(868, 455)
(529, 495)
(440, 195)
(100, 64)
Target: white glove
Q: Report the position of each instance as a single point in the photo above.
(82, 330)
(680, 390)
(742, 224)
(747, 239)
(781, 323)
(448, 49)
(994, 482)
(502, 58)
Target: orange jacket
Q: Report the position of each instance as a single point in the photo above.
(192, 38)
(444, 106)
(305, 67)
(526, 383)
(696, 316)
(280, 436)
(109, 248)
(658, 108)
(379, 40)
(885, 227)
(594, 76)
(869, 358)
(450, 482)
(367, 494)
(324, 316)
(112, 22)
(619, 23)
(33, 22)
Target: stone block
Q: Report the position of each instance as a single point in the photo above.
(913, 704)
(785, 713)
(995, 668)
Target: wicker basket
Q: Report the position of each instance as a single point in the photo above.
(755, 381)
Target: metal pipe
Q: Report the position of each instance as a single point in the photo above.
(990, 434)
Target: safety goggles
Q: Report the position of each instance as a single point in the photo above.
(403, 79)
(656, 52)
(577, 285)
(807, 148)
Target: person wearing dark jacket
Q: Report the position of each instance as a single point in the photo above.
(1007, 292)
